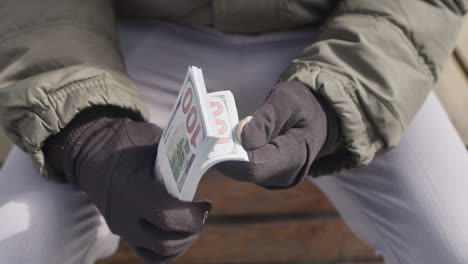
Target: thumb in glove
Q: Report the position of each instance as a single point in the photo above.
(283, 137)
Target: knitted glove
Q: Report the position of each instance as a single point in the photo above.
(112, 159)
(284, 137)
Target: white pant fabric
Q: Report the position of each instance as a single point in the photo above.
(410, 203)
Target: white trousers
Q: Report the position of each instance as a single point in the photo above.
(410, 203)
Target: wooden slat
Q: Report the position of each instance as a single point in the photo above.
(452, 90)
(239, 198)
(363, 262)
(305, 241)
(276, 242)
(233, 230)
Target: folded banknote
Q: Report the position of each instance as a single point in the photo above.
(200, 133)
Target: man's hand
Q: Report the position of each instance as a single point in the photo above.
(283, 138)
(112, 160)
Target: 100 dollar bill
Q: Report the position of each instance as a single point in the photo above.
(200, 133)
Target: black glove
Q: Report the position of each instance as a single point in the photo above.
(112, 159)
(283, 138)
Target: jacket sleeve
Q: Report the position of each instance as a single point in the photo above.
(375, 62)
(58, 57)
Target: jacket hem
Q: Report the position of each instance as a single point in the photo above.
(61, 105)
(360, 141)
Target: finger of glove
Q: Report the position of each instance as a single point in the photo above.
(179, 216)
(142, 133)
(270, 120)
(149, 257)
(279, 163)
(166, 212)
(289, 105)
(163, 242)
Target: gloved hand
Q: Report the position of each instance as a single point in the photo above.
(112, 159)
(283, 138)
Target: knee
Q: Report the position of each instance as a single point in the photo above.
(50, 229)
(429, 248)
(456, 250)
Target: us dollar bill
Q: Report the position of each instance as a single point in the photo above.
(200, 133)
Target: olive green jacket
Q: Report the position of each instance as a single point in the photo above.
(374, 62)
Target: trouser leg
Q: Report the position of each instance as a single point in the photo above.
(47, 223)
(157, 55)
(410, 203)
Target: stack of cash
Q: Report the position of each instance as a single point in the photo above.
(200, 134)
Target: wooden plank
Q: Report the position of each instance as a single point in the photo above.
(235, 203)
(461, 49)
(364, 262)
(272, 242)
(230, 197)
(452, 90)
(305, 241)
